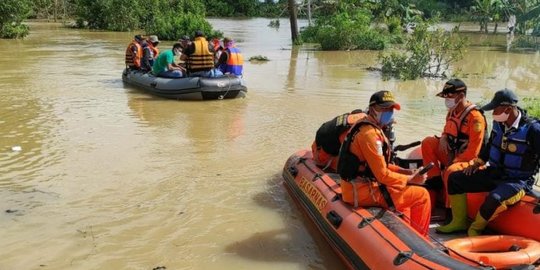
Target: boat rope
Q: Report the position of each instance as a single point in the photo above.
(226, 92)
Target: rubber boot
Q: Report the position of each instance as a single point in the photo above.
(478, 225)
(459, 215)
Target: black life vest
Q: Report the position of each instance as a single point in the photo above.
(327, 136)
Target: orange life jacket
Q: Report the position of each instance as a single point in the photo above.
(457, 139)
(155, 50)
(134, 60)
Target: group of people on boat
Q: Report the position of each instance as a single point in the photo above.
(198, 57)
(358, 146)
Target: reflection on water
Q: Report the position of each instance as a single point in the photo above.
(110, 177)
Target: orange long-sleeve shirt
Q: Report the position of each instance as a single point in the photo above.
(367, 146)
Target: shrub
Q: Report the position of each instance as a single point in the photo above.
(345, 31)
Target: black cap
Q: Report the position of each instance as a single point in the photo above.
(199, 33)
(138, 38)
(185, 37)
(453, 86)
(384, 99)
(504, 97)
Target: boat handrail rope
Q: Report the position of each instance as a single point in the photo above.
(226, 92)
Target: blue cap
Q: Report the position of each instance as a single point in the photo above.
(504, 97)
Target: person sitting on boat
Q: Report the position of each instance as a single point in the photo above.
(153, 43)
(134, 53)
(200, 57)
(185, 42)
(505, 167)
(231, 60)
(164, 65)
(368, 177)
(330, 136)
(150, 52)
(460, 141)
(148, 57)
(218, 48)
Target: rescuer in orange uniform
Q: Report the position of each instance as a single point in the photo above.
(461, 139)
(330, 136)
(368, 177)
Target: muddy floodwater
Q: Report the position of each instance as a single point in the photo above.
(95, 174)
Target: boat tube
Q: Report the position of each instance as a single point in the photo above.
(376, 238)
(187, 88)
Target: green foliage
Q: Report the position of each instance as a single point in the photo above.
(425, 53)
(168, 19)
(394, 25)
(528, 42)
(171, 28)
(12, 13)
(230, 8)
(115, 15)
(52, 9)
(259, 58)
(347, 30)
(243, 8)
(532, 105)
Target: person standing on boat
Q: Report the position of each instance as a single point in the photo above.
(505, 167)
(368, 177)
(200, 57)
(134, 53)
(330, 136)
(165, 66)
(231, 60)
(460, 141)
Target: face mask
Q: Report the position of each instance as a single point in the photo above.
(450, 103)
(501, 117)
(385, 118)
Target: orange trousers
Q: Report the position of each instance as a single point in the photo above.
(323, 159)
(413, 202)
(431, 153)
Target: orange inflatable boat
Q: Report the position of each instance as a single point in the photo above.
(373, 238)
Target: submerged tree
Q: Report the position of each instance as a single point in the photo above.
(12, 14)
(425, 53)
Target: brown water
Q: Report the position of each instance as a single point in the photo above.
(111, 178)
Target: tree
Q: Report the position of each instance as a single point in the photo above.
(484, 11)
(12, 14)
(169, 19)
(425, 54)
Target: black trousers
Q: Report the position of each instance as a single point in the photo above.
(501, 192)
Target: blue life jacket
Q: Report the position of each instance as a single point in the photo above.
(235, 62)
(512, 153)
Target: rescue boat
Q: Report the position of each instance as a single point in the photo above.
(375, 238)
(188, 88)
